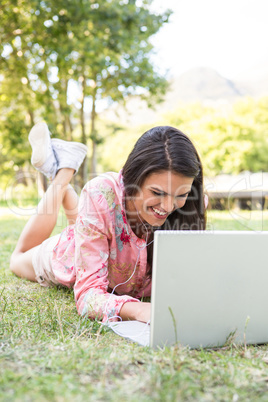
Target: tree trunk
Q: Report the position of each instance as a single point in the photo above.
(49, 100)
(31, 115)
(63, 121)
(83, 171)
(93, 137)
(70, 127)
(65, 118)
(94, 159)
(82, 114)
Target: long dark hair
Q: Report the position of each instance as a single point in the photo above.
(166, 148)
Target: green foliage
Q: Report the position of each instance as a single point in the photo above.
(100, 48)
(230, 140)
(119, 143)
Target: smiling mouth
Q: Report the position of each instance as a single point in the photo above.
(159, 214)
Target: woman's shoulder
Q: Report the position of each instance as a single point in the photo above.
(110, 180)
(106, 188)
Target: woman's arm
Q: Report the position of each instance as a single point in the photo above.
(136, 311)
(92, 233)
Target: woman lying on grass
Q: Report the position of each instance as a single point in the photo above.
(105, 253)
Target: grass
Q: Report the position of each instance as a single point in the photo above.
(49, 353)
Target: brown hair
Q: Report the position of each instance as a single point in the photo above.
(166, 148)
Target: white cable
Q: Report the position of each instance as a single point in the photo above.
(119, 284)
(123, 283)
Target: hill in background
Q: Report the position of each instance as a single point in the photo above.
(201, 84)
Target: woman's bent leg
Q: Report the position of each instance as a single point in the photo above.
(21, 264)
(40, 226)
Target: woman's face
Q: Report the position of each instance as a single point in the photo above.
(160, 194)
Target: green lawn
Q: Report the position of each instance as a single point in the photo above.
(48, 352)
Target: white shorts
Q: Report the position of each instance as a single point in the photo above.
(42, 262)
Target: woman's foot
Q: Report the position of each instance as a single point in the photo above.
(43, 157)
(69, 154)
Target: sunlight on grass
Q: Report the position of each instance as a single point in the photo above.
(237, 220)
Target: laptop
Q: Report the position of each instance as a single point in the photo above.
(208, 288)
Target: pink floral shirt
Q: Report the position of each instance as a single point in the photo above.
(101, 251)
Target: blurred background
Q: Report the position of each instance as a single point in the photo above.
(103, 72)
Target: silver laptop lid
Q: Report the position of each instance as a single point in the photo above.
(209, 285)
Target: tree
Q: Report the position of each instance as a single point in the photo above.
(102, 47)
(230, 140)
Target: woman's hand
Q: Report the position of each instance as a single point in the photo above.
(136, 311)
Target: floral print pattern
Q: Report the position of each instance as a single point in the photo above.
(100, 252)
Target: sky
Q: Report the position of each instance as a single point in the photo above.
(230, 36)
